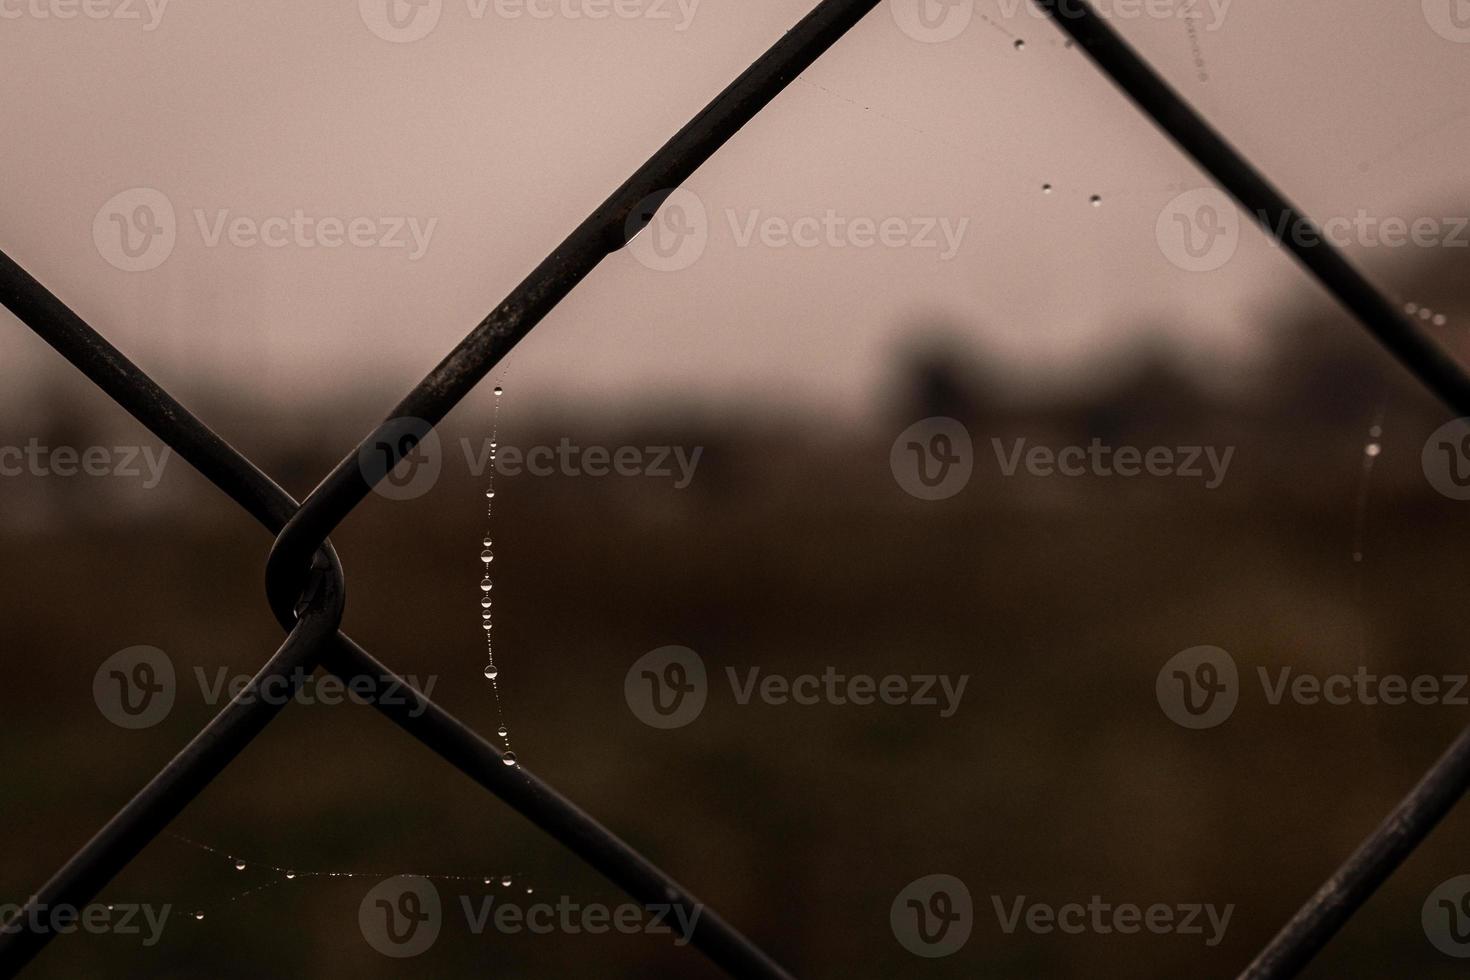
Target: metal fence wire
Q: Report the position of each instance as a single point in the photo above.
(306, 587)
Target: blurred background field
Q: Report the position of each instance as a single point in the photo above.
(1060, 319)
(792, 550)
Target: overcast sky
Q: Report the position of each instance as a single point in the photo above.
(342, 194)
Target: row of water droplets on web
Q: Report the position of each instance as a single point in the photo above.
(279, 876)
(487, 584)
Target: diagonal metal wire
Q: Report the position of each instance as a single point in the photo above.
(291, 573)
(304, 581)
(1435, 795)
(209, 752)
(630, 208)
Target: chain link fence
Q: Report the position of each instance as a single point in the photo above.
(306, 586)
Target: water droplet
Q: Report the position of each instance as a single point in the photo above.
(486, 585)
(505, 881)
(486, 542)
(1440, 319)
(492, 672)
(494, 444)
(198, 915)
(484, 602)
(1046, 188)
(530, 890)
(1373, 449)
(1020, 45)
(290, 875)
(239, 865)
(1425, 313)
(109, 908)
(487, 881)
(486, 626)
(1096, 201)
(502, 731)
(487, 556)
(1376, 431)
(1411, 308)
(499, 391)
(489, 494)
(509, 758)
(485, 615)
(1357, 556)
